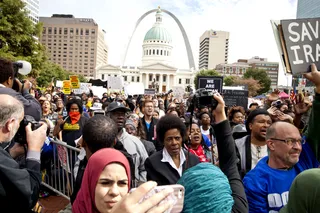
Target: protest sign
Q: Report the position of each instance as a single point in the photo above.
(213, 83)
(300, 38)
(178, 92)
(66, 89)
(75, 83)
(149, 91)
(84, 88)
(236, 97)
(63, 157)
(59, 84)
(134, 89)
(115, 83)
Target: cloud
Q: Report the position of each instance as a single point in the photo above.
(248, 22)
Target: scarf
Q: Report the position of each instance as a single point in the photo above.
(85, 201)
(199, 152)
(75, 117)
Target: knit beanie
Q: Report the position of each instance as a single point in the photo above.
(252, 115)
(207, 189)
(130, 122)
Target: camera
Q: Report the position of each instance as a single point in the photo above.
(202, 97)
(20, 67)
(21, 136)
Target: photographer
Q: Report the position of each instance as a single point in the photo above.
(19, 188)
(7, 79)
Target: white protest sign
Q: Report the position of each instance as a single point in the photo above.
(98, 91)
(115, 83)
(63, 157)
(178, 92)
(84, 88)
(134, 89)
(59, 84)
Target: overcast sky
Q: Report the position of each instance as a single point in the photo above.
(248, 22)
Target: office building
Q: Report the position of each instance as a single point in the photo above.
(308, 9)
(77, 44)
(272, 68)
(33, 9)
(237, 69)
(213, 49)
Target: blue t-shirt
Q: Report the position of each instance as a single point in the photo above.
(148, 125)
(267, 189)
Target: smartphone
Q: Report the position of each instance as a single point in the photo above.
(177, 197)
(98, 112)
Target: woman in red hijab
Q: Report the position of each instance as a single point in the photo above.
(106, 180)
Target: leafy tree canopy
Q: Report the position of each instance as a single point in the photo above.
(261, 76)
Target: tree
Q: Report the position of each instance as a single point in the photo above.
(261, 76)
(204, 73)
(18, 35)
(253, 85)
(229, 80)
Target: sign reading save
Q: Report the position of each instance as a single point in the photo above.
(302, 43)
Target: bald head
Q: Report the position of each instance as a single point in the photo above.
(10, 108)
(282, 129)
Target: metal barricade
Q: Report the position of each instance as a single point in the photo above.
(60, 175)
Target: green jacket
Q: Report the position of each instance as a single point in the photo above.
(313, 132)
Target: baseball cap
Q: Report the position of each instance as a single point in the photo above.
(116, 106)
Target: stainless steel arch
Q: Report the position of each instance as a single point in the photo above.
(184, 34)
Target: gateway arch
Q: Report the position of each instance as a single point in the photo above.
(184, 34)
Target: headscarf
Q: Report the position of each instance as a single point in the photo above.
(304, 193)
(207, 189)
(85, 201)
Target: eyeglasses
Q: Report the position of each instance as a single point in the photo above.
(291, 141)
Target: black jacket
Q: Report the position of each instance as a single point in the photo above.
(150, 136)
(19, 188)
(162, 172)
(31, 106)
(228, 164)
(83, 165)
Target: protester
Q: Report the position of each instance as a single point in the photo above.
(252, 148)
(206, 188)
(206, 127)
(149, 123)
(236, 115)
(19, 188)
(116, 111)
(166, 166)
(304, 193)
(61, 110)
(72, 126)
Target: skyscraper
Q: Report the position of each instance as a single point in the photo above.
(33, 8)
(308, 9)
(213, 49)
(77, 44)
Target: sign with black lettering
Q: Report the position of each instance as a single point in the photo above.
(302, 43)
(149, 91)
(213, 83)
(235, 98)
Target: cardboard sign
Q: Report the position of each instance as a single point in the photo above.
(84, 88)
(63, 157)
(213, 83)
(149, 91)
(236, 97)
(66, 89)
(59, 84)
(75, 83)
(302, 43)
(178, 92)
(115, 83)
(134, 89)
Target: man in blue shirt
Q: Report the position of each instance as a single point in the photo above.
(267, 185)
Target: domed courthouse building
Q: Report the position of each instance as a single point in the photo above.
(156, 70)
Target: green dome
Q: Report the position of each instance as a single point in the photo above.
(158, 33)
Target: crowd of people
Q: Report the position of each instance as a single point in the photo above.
(260, 158)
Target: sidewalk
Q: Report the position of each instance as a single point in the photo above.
(53, 204)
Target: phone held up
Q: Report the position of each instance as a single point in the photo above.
(177, 197)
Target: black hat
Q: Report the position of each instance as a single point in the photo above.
(252, 115)
(116, 106)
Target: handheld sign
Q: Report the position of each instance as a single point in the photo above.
(302, 43)
(75, 83)
(236, 97)
(66, 87)
(213, 83)
(149, 91)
